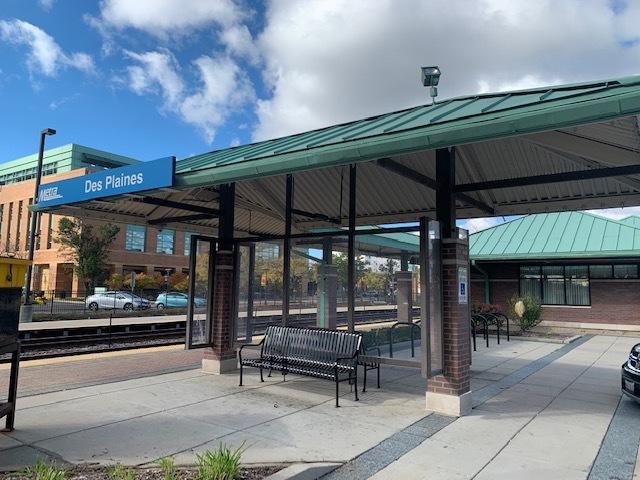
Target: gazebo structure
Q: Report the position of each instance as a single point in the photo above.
(567, 147)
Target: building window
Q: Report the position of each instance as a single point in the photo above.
(164, 241)
(187, 243)
(18, 222)
(49, 230)
(1, 219)
(134, 238)
(556, 284)
(625, 271)
(267, 251)
(9, 220)
(28, 239)
(577, 284)
(600, 271)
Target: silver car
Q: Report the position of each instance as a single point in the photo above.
(116, 300)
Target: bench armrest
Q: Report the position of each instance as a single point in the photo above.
(373, 349)
(259, 344)
(339, 359)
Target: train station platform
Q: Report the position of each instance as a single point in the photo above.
(557, 393)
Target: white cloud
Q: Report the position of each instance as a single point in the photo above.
(165, 17)
(617, 213)
(45, 56)
(476, 224)
(330, 62)
(174, 19)
(46, 5)
(223, 86)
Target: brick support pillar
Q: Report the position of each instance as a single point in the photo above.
(221, 357)
(449, 393)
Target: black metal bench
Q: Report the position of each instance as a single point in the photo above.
(328, 354)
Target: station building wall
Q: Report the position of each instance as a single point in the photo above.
(613, 301)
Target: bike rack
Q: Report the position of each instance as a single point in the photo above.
(413, 327)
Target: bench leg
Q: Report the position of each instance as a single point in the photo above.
(378, 369)
(269, 373)
(240, 374)
(261, 377)
(355, 388)
(337, 387)
(508, 339)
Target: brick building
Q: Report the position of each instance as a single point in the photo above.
(582, 267)
(136, 248)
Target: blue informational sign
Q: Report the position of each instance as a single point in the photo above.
(107, 183)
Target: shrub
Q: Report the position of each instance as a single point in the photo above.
(115, 281)
(44, 471)
(221, 464)
(169, 469)
(120, 472)
(179, 281)
(481, 308)
(531, 315)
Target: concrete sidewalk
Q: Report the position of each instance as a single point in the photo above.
(550, 423)
(139, 420)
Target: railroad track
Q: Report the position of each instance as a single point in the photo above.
(81, 340)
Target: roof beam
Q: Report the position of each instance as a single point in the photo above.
(418, 177)
(315, 216)
(585, 147)
(163, 202)
(182, 218)
(551, 178)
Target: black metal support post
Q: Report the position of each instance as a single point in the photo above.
(286, 270)
(227, 216)
(250, 291)
(327, 251)
(404, 262)
(445, 197)
(34, 216)
(351, 263)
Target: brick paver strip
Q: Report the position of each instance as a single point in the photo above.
(81, 372)
(617, 456)
(391, 449)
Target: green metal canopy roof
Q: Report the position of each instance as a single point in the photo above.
(507, 137)
(556, 235)
(632, 221)
(423, 127)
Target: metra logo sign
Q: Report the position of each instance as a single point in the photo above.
(48, 194)
(143, 176)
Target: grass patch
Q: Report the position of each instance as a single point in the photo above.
(221, 464)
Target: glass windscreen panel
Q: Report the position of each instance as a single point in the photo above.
(200, 297)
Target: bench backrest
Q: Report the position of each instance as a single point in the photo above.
(319, 345)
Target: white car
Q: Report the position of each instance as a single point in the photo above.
(116, 300)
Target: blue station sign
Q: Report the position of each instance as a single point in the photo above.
(108, 183)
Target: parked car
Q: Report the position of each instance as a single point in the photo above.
(177, 299)
(631, 374)
(117, 300)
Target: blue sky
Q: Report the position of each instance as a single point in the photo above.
(151, 78)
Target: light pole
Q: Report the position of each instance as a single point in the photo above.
(34, 222)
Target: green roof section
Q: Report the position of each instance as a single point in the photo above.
(632, 221)
(563, 235)
(449, 122)
(60, 159)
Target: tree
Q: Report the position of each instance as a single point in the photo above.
(88, 248)
(341, 263)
